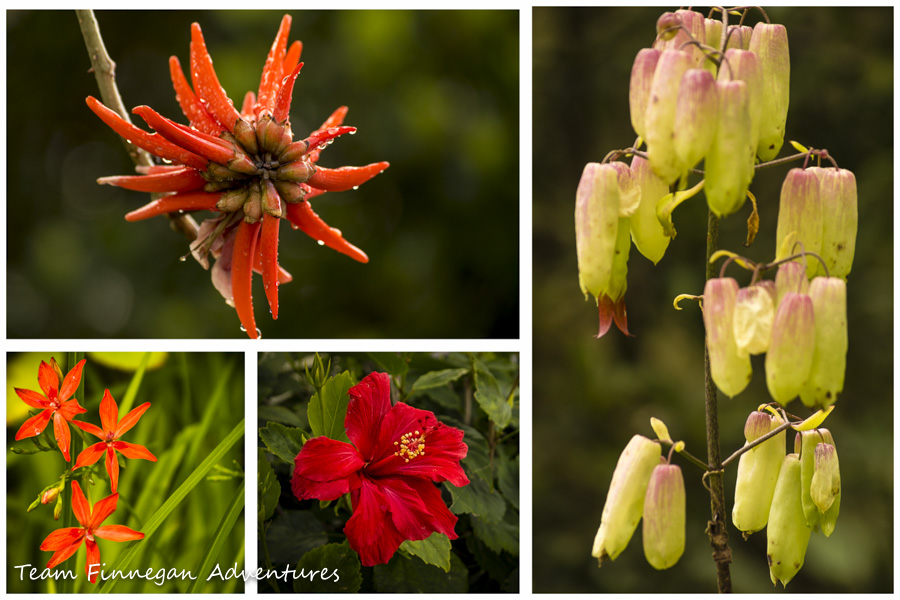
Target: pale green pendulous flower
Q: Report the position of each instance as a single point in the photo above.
(826, 375)
(625, 499)
(790, 354)
(770, 43)
(664, 517)
(757, 473)
(730, 371)
(787, 534)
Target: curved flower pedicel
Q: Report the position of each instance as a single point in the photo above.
(397, 454)
(243, 165)
(55, 404)
(112, 430)
(65, 542)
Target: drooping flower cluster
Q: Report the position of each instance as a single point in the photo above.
(396, 456)
(790, 495)
(56, 404)
(644, 485)
(244, 166)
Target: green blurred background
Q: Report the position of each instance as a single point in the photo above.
(196, 400)
(591, 396)
(435, 93)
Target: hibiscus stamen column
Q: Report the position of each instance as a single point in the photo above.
(716, 528)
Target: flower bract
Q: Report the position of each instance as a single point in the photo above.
(242, 165)
(396, 456)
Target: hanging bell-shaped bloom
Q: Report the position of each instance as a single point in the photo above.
(790, 354)
(646, 230)
(639, 89)
(664, 517)
(630, 191)
(787, 534)
(800, 212)
(754, 312)
(757, 473)
(712, 29)
(830, 465)
(596, 225)
(826, 479)
(826, 375)
(692, 26)
(729, 162)
(625, 499)
(730, 371)
(791, 277)
(837, 194)
(742, 65)
(611, 305)
(770, 43)
(659, 121)
(695, 116)
(738, 37)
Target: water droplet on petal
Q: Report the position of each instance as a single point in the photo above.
(182, 258)
(352, 132)
(321, 243)
(355, 187)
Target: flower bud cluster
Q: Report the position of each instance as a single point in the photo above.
(688, 107)
(800, 326)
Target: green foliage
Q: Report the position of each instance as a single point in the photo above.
(330, 568)
(283, 442)
(442, 383)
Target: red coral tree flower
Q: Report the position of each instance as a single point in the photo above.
(113, 429)
(55, 404)
(66, 541)
(397, 454)
(244, 165)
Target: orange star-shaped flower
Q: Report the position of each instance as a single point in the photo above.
(55, 403)
(65, 542)
(112, 430)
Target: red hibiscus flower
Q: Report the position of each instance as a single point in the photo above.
(398, 453)
(55, 403)
(112, 430)
(65, 542)
(243, 165)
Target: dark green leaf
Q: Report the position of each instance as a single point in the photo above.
(499, 536)
(406, 575)
(333, 568)
(508, 479)
(477, 499)
(328, 408)
(477, 461)
(280, 414)
(269, 490)
(433, 550)
(497, 565)
(446, 397)
(391, 362)
(490, 397)
(283, 442)
(292, 534)
(435, 379)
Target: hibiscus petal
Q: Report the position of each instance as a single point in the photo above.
(89, 428)
(112, 467)
(440, 519)
(61, 432)
(93, 558)
(63, 554)
(133, 451)
(32, 399)
(80, 506)
(118, 533)
(71, 382)
(102, 510)
(63, 538)
(130, 420)
(408, 511)
(307, 489)
(34, 425)
(48, 379)
(370, 400)
(89, 455)
(370, 531)
(324, 459)
(109, 413)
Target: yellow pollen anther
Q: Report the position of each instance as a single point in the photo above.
(411, 445)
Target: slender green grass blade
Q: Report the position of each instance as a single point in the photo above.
(219, 539)
(174, 500)
(127, 401)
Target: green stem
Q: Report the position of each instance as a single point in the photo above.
(266, 557)
(716, 528)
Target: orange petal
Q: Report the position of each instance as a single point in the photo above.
(92, 560)
(109, 413)
(32, 399)
(118, 533)
(345, 178)
(80, 506)
(102, 510)
(241, 275)
(269, 252)
(112, 468)
(34, 425)
(133, 451)
(130, 420)
(61, 432)
(90, 455)
(47, 379)
(63, 538)
(72, 381)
